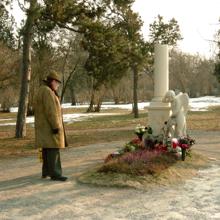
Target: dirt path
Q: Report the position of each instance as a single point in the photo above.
(23, 195)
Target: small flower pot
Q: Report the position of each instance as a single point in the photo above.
(183, 153)
(140, 136)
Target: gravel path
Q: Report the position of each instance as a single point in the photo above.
(23, 195)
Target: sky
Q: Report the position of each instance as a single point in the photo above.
(198, 21)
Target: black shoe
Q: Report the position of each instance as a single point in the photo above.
(59, 178)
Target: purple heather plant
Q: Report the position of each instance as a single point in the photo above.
(141, 156)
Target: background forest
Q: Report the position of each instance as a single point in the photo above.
(98, 47)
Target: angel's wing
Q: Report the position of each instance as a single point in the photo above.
(184, 100)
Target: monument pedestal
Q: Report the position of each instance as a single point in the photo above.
(158, 113)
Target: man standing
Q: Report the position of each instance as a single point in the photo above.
(49, 129)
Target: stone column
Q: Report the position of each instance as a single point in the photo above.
(158, 112)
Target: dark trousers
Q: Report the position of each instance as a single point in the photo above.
(51, 162)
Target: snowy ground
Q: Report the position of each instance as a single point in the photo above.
(196, 104)
(24, 196)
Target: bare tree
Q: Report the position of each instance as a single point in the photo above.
(191, 74)
(9, 65)
(26, 71)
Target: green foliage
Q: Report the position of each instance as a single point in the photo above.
(107, 50)
(110, 28)
(165, 33)
(6, 27)
(162, 33)
(69, 14)
(130, 25)
(123, 2)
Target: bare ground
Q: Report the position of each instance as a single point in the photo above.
(23, 195)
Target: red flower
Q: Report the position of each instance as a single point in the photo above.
(184, 146)
(175, 143)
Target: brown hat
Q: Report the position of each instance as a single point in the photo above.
(54, 75)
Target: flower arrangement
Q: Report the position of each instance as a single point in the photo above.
(182, 142)
(140, 129)
(176, 146)
(181, 146)
(186, 142)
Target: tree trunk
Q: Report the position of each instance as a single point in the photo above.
(65, 83)
(73, 95)
(115, 96)
(26, 72)
(135, 88)
(30, 110)
(98, 106)
(116, 100)
(92, 101)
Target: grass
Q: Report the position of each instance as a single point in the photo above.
(161, 170)
(94, 130)
(112, 121)
(80, 138)
(97, 129)
(204, 120)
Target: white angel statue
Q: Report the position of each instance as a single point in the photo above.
(176, 124)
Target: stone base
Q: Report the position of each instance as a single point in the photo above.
(158, 113)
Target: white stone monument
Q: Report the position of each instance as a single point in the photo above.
(158, 111)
